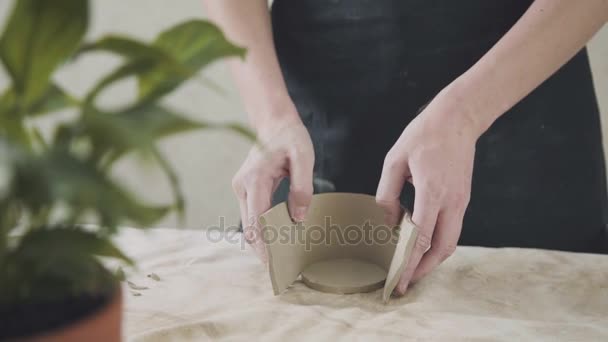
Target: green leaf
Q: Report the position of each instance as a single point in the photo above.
(156, 121)
(133, 68)
(11, 213)
(64, 135)
(141, 58)
(197, 43)
(12, 125)
(133, 49)
(58, 177)
(176, 55)
(54, 99)
(125, 47)
(171, 175)
(38, 37)
(194, 44)
(8, 104)
(38, 138)
(136, 128)
(70, 242)
(14, 130)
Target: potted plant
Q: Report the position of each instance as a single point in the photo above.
(53, 282)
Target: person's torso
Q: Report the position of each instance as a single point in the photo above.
(359, 70)
(376, 42)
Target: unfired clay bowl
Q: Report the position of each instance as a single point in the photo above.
(331, 250)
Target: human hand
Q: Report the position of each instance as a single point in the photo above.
(285, 150)
(435, 153)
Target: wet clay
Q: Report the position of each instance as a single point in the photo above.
(332, 265)
(344, 276)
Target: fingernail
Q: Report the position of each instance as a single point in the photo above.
(299, 214)
(402, 288)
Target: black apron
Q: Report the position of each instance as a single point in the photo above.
(359, 71)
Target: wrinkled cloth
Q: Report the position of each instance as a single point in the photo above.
(219, 291)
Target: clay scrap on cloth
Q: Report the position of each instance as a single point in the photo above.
(344, 246)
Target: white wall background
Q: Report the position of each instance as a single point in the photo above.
(205, 161)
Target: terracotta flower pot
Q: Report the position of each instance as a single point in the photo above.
(103, 325)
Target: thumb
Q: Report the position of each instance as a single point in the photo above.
(300, 187)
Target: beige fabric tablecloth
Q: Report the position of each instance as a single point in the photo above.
(211, 291)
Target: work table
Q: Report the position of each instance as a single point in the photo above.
(189, 288)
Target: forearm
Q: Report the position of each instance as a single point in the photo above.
(549, 34)
(258, 77)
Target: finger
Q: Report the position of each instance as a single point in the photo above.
(300, 185)
(426, 210)
(240, 194)
(394, 174)
(258, 202)
(250, 232)
(244, 223)
(445, 239)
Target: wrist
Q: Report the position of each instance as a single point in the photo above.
(467, 103)
(264, 95)
(275, 114)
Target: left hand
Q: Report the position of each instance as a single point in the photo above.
(435, 152)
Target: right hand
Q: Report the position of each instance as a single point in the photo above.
(284, 150)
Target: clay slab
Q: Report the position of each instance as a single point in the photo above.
(344, 276)
(295, 249)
